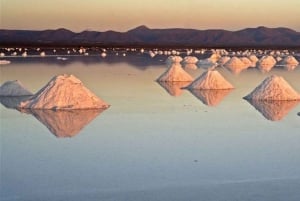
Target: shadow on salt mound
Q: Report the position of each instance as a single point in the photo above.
(14, 88)
(211, 97)
(64, 123)
(13, 102)
(174, 88)
(273, 110)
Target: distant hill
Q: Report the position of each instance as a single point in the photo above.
(143, 36)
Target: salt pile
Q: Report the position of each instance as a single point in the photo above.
(253, 59)
(266, 63)
(273, 110)
(273, 88)
(289, 60)
(210, 79)
(65, 123)
(175, 73)
(14, 88)
(190, 60)
(235, 65)
(247, 62)
(211, 97)
(64, 92)
(173, 59)
(223, 60)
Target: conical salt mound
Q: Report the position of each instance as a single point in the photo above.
(211, 79)
(273, 88)
(175, 73)
(14, 88)
(64, 92)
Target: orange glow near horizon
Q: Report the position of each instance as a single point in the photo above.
(122, 15)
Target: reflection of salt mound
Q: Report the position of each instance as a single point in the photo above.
(211, 97)
(174, 88)
(266, 63)
(65, 123)
(12, 101)
(173, 59)
(210, 79)
(64, 92)
(4, 62)
(273, 110)
(13, 88)
(273, 88)
(190, 60)
(175, 73)
(235, 65)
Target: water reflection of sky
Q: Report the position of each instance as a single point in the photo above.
(149, 141)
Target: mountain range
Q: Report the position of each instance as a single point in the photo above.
(144, 36)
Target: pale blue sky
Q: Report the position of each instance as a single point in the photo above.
(121, 15)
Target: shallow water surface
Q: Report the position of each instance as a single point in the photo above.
(155, 142)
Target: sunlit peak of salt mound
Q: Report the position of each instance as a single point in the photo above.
(273, 88)
(210, 79)
(266, 63)
(14, 88)
(173, 59)
(175, 73)
(64, 92)
(289, 60)
(190, 60)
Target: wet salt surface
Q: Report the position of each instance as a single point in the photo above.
(155, 142)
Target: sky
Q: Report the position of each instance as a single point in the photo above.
(123, 15)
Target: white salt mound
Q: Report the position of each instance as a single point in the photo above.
(175, 73)
(223, 60)
(266, 63)
(235, 62)
(289, 60)
(246, 61)
(190, 60)
(273, 88)
(14, 88)
(64, 92)
(210, 79)
(253, 58)
(173, 59)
